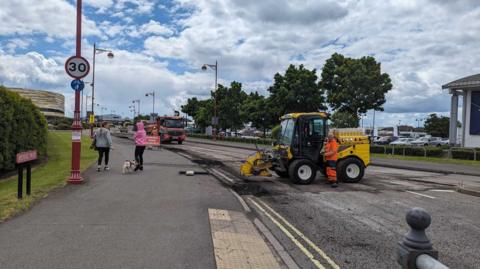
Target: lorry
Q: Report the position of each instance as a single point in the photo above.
(298, 152)
(169, 128)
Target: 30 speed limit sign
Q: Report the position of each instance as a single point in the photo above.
(77, 67)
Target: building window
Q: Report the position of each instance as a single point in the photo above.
(475, 113)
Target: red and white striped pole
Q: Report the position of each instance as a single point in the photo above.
(75, 177)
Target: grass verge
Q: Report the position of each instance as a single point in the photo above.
(427, 159)
(45, 177)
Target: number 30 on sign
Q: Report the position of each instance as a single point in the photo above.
(77, 67)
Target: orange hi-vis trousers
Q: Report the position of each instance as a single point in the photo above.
(332, 171)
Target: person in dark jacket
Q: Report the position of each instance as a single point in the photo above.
(103, 143)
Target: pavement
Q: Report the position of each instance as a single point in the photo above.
(356, 225)
(444, 168)
(154, 218)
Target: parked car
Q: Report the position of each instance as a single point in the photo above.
(403, 141)
(429, 141)
(446, 141)
(385, 140)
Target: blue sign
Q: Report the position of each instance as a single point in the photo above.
(77, 85)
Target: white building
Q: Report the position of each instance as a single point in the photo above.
(469, 89)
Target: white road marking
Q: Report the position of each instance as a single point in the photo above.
(184, 155)
(240, 199)
(287, 259)
(424, 195)
(301, 235)
(443, 190)
(222, 175)
(289, 235)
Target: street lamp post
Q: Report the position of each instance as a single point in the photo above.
(132, 109)
(152, 94)
(96, 51)
(215, 118)
(373, 127)
(418, 122)
(138, 102)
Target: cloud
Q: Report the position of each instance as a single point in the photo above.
(287, 12)
(56, 18)
(422, 44)
(155, 28)
(28, 70)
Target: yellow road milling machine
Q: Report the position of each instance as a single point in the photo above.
(298, 152)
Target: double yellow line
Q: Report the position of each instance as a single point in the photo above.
(283, 227)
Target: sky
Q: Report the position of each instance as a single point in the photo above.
(161, 45)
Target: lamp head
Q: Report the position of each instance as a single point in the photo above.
(110, 55)
(204, 67)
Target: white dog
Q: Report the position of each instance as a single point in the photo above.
(128, 166)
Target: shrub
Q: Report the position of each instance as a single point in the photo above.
(60, 123)
(377, 149)
(409, 151)
(464, 154)
(22, 127)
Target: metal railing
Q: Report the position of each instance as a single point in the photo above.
(415, 251)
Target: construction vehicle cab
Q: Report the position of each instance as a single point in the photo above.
(298, 154)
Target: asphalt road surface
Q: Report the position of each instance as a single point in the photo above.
(355, 225)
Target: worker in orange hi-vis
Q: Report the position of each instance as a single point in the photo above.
(331, 156)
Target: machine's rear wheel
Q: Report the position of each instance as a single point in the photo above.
(350, 170)
(302, 171)
(179, 142)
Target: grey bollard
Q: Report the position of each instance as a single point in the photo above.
(415, 242)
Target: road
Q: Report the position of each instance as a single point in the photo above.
(355, 225)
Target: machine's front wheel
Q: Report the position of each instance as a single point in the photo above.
(302, 171)
(350, 170)
(179, 142)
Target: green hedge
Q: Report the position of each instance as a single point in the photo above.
(60, 123)
(22, 127)
(465, 154)
(261, 141)
(409, 151)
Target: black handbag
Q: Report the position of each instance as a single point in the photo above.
(94, 144)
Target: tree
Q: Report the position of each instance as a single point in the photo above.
(191, 107)
(343, 120)
(229, 103)
(22, 127)
(141, 117)
(354, 85)
(438, 126)
(256, 110)
(296, 91)
(204, 114)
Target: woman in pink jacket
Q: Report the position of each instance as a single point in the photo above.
(140, 141)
